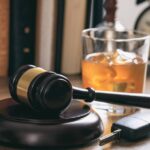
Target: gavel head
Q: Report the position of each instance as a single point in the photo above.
(42, 90)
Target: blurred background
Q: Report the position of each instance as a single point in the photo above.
(129, 11)
(47, 33)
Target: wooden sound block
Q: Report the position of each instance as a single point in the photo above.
(21, 126)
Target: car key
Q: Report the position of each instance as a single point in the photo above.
(130, 128)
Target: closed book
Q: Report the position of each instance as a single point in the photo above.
(89, 14)
(97, 12)
(59, 34)
(94, 13)
(45, 33)
(4, 36)
(22, 33)
(74, 23)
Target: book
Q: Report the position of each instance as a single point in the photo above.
(74, 23)
(94, 13)
(59, 35)
(22, 33)
(45, 33)
(97, 12)
(4, 36)
(89, 14)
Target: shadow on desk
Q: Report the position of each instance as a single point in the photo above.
(93, 146)
(76, 80)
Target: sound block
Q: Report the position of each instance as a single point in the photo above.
(21, 126)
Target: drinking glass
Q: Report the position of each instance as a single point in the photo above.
(115, 61)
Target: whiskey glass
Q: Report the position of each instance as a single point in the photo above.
(115, 61)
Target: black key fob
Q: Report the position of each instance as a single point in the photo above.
(133, 127)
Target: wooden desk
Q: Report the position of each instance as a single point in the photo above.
(4, 93)
(107, 120)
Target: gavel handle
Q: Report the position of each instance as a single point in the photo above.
(130, 99)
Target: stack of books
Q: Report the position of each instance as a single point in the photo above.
(46, 33)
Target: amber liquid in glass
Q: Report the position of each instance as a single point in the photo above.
(121, 71)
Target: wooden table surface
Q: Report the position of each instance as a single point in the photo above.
(107, 121)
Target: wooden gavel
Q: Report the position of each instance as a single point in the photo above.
(51, 92)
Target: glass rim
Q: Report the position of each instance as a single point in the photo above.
(144, 36)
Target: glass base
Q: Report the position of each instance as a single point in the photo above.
(117, 110)
(114, 110)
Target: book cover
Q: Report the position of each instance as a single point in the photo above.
(97, 12)
(45, 33)
(74, 23)
(22, 33)
(4, 36)
(94, 13)
(59, 34)
(89, 14)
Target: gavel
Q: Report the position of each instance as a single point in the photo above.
(47, 91)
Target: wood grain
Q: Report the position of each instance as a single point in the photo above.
(107, 121)
(4, 27)
(4, 93)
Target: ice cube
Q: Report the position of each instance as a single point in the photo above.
(131, 87)
(119, 86)
(98, 58)
(122, 57)
(138, 60)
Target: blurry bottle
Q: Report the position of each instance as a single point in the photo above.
(110, 28)
(103, 46)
